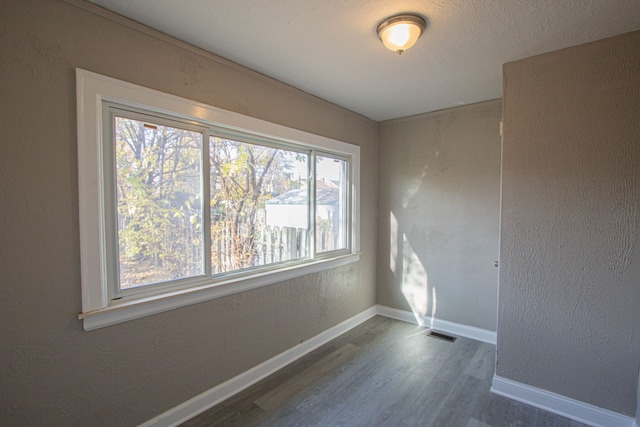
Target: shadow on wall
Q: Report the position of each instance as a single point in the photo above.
(409, 271)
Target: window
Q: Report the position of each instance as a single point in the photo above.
(158, 209)
(182, 202)
(332, 203)
(247, 181)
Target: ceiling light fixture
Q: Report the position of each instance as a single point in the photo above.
(400, 32)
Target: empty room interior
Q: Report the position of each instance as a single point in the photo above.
(248, 212)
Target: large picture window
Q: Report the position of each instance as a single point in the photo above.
(178, 207)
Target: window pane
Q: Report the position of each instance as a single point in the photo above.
(259, 205)
(158, 191)
(331, 204)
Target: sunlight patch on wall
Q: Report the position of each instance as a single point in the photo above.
(414, 281)
(393, 242)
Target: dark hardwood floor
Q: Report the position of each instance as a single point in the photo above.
(381, 373)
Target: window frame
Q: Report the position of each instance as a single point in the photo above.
(94, 93)
(348, 235)
(110, 111)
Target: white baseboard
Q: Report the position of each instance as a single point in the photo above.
(215, 395)
(458, 329)
(558, 404)
(570, 408)
(394, 313)
(211, 397)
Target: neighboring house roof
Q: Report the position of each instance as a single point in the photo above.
(325, 195)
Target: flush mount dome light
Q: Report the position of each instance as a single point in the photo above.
(400, 32)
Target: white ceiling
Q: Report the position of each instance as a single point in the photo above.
(329, 48)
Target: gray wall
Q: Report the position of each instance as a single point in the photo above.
(569, 316)
(51, 371)
(439, 199)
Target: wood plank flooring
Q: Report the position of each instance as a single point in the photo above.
(381, 373)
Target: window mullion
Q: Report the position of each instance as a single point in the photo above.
(206, 203)
(312, 204)
(349, 206)
(111, 265)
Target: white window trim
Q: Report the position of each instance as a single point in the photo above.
(97, 310)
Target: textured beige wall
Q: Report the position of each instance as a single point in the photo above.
(569, 305)
(51, 371)
(439, 199)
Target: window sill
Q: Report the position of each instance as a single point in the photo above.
(135, 309)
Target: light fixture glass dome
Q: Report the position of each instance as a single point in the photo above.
(400, 32)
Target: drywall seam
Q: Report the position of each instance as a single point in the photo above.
(628, 218)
